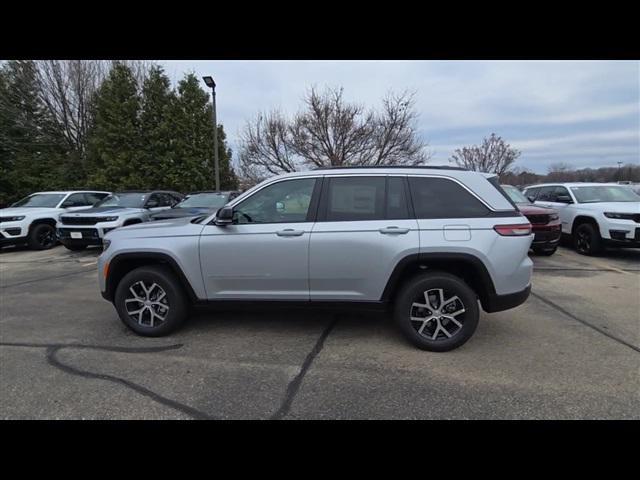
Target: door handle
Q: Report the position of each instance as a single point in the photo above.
(394, 230)
(289, 232)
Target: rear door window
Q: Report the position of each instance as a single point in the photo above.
(355, 198)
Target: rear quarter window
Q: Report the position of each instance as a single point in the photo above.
(442, 198)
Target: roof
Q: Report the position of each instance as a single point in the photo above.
(575, 184)
(409, 167)
(64, 192)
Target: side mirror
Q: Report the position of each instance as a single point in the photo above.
(224, 217)
(531, 198)
(71, 204)
(152, 204)
(564, 199)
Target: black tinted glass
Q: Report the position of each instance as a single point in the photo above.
(355, 198)
(442, 198)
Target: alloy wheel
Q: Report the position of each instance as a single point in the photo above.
(583, 243)
(437, 316)
(147, 305)
(46, 238)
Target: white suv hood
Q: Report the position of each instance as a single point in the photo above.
(14, 212)
(617, 207)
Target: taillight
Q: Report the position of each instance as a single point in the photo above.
(520, 230)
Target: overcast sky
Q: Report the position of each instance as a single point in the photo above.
(586, 113)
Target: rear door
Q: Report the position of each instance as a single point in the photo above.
(364, 227)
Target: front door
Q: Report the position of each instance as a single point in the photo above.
(264, 254)
(362, 231)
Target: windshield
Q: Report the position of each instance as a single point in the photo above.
(604, 193)
(124, 200)
(204, 200)
(516, 195)
(48, 200)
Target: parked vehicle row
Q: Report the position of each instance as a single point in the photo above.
(81, 218)
(592, 215)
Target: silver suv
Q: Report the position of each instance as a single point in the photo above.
(430, 242)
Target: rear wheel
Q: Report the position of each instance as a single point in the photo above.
(42, 237)
(437, 311)
(587, 240)
(151, 301)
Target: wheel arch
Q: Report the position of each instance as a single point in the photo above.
(124, 263)
(580, 219)
(466, 266)
(45, 220)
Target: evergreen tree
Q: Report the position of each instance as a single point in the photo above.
(193, 168)
(32, 153)
(115, 153)
(157, 136)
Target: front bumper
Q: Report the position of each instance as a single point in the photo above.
(13, 233)
(546, 237)
(89, 234)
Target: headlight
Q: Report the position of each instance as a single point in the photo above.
(110, 219)
(11, 219)
(105, 243)
(621, 216)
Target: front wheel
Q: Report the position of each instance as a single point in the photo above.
(586, 239)
(151, 301)
(42, 237)
(437, 311)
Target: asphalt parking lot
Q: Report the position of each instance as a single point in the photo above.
(572, 351)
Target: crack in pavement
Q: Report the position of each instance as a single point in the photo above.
(52, 359)
(595, 327)
(294, 385)
(52, 350)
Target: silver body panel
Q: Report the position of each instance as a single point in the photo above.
(347, 260)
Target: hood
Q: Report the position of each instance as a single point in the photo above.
(528, 209)
(160, 228)
(179, 212)
(14, 212)
(101, 211)
(618, 207)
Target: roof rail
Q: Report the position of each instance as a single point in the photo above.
(428, 167)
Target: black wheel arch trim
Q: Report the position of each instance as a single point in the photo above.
(141, 259)
(487, 288)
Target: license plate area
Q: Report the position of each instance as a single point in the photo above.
(75, 234)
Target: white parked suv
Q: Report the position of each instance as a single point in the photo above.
(32, 220)
(595, 215)
(77, 230)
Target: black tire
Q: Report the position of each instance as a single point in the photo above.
(176, 300)
(42, 236)
(74, 248)
(587, 240)
(546, 253)
(414, 292)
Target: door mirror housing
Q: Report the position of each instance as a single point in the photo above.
(564, 199)
(224, 217)
(152, 204)
(531, 198)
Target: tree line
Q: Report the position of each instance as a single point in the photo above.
(110, 125)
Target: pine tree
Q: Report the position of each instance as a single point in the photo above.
(32, 153)
(115, 153)
(193, 168)
(157, 136)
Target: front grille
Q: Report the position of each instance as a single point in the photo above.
(539, 219)
(82, 220)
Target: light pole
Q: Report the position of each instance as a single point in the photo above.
(212, 85)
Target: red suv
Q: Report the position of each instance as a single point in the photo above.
(545, 222)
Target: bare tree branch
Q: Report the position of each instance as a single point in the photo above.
(494, 156)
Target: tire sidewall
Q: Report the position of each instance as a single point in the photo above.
(428, 281)
(178, 307)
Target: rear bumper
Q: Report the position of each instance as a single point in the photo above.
(498, 303)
